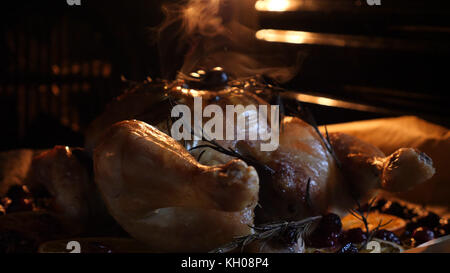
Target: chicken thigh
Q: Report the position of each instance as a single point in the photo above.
(161, 195)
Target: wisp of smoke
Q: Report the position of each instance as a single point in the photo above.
(202, 34)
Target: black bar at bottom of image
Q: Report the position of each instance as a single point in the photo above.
(219, 262)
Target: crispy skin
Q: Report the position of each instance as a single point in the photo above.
(160, 194)
(366, 168)
(149, 102)
(150, 181)
(301, 157)
(183, 229)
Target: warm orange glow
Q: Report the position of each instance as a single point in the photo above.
(273, 5)
(283, 36)
(56, 70)
(55, 90)
(195, 75)
(107, 69)
(317, 100)
(327, 102)
(331, 102)
(76, 68)
(327, 39)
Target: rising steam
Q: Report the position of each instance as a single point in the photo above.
(202, 34)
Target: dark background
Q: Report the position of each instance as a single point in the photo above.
(60, 65)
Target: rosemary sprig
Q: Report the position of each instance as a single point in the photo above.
(268, 231)
(303, 113)
(306, 114)
(360, 215)
(212, 144)
(279, 102)
(308, 196)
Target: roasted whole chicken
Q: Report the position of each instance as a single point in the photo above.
(189, 196)
(198, 195)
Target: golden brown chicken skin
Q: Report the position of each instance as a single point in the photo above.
(149, 181)
(161, 195)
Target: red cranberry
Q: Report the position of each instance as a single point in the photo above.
(422, 235)
(387, 235)
(289, 237)
(411, 226)
(431, 220)
(409, 229)
(355, 235)
(330, 223)
(328, 232)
